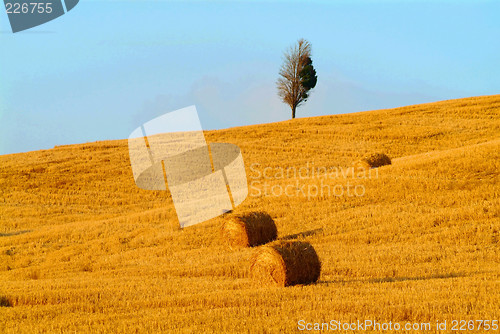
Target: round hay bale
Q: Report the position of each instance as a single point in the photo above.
(373, 160)
(249, 230)
(285, 263)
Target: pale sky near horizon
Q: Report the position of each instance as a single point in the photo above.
(106, 67)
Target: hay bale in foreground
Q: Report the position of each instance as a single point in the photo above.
(249, 230)
(373, 160)
(285, 263)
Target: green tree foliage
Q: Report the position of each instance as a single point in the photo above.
(308, 77)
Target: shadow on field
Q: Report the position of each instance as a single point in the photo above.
(5, 302)
(394, 279)
(302, 234)
(10, 234)
(416, 278)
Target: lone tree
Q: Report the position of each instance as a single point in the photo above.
(297, 75)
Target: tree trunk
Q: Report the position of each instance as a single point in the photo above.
(293, 111)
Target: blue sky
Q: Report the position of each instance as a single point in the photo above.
(106, 67)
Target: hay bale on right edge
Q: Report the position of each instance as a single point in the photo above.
(373, 160)
(249, 230)
(285, 263)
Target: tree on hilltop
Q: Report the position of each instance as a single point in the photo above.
(297, 75)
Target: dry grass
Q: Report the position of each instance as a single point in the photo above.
(83, 249)
(249, 230)
(285, 263)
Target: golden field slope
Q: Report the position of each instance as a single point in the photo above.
(83, 249)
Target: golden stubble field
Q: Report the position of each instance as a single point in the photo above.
(82, 249)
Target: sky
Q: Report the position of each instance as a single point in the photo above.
(106, 67)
